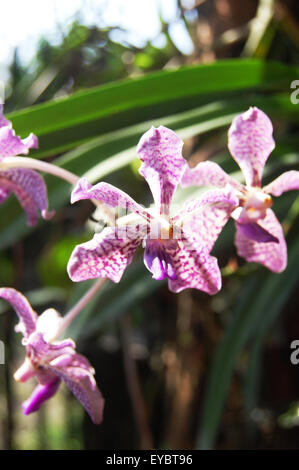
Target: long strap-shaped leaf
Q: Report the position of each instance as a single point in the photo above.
(64, 123)
(114, 150)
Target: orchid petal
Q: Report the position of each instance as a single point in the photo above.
(272, 255)
(107, 194)
(23, 309)
(250, 142)
(288, 181)
(256, 232)
(208, 224)
(41, 353)
(193, 266)
(25, 372)
(40, 394)
(160, 151)
(207, 174)
(30, 189)
(207, 215)
(215, 197)
(107, 255)
(38, 346)
(48, 323)
(77, 373)
(12, 145)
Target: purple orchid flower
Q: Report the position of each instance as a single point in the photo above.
(52, 361)
(170, 251)
(28, 186)
(259, 236)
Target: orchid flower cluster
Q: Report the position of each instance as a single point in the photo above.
(177, 244)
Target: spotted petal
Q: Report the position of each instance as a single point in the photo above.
(30, 189)
(250, 142)
(207, 174)
(23, 309)
(12, 145)
(215, 197)
(107, 194)
(285, 182)
(107, 255)
(193, 266)
(208, 224)
(78, 375)
(160, 151)
(207, 215)
(272, 255)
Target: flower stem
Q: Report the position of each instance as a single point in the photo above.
(39, 165)
(74, 311)
(34, 164)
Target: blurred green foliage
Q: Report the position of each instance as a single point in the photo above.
(97, 125)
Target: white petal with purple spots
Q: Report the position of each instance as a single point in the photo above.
(250, 142)
(163, 165)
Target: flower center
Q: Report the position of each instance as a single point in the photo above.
(160, 228)
(254, 206)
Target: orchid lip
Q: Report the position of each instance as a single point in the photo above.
(158, 261)
(40, 395)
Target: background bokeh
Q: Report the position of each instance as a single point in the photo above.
(177, 371)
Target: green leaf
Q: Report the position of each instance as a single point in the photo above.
(261, 300)
(64, 123)
(111, 152)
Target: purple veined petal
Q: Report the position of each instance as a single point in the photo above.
(23, 309)
(160, 151)
(3, 120)
(255, 232)
(77, 374)
(285, 182)
(207, 174)
(272, 255)
(12, 145)
(107, 194)
(30, 189)
(41, 354)
(207, 215)
(193, 266)
(40, 350)
(107, 255)
(157, 260)
(226, 198)
(250, 142)
(40, 394)
(208, 224)
(154, 261)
